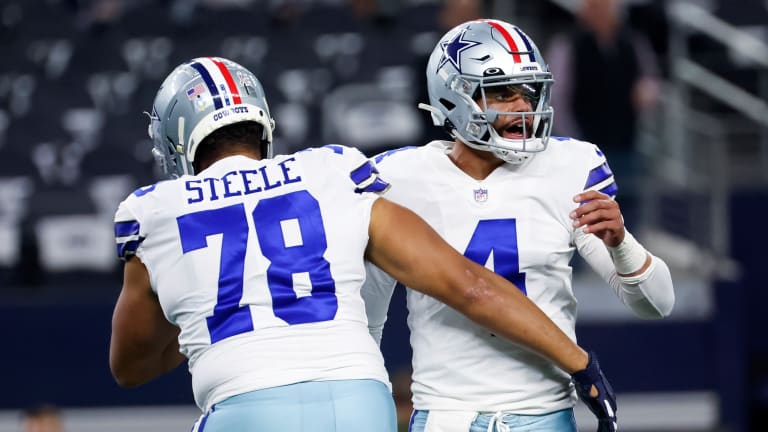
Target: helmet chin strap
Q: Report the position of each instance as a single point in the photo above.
(512, 157)
(509, 156)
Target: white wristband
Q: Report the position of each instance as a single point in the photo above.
(629, 256)
(637, 279)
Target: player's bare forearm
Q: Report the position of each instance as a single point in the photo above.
(511, 314)
(136, 359)
(143, 366)
(144, 344)
(404, 246)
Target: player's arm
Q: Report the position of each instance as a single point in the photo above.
(642, 281)
(404, 246)
(144, 344)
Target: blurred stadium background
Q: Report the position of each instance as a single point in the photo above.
(76, 75)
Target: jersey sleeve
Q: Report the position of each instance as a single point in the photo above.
(362, 171)
(368, 179)
(377, 293)
(130, 226)
(600, 176)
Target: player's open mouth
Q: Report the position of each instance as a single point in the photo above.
(515, 131)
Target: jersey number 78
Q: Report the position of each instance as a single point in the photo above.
(229, 317)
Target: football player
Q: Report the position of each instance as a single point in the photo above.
(250, 268)
(510, 197)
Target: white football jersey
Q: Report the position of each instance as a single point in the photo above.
(260, 264)
(515, 222)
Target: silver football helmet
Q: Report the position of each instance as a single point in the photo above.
(196, 99)
(474, 57)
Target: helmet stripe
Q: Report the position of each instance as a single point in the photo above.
(527, 43)
(228, 78)
(210, 84)
(218, 79)
(507, 37)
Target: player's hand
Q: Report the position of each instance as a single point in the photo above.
(600, 215)
(595, 391)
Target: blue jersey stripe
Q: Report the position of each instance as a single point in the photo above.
(410, 422)
(610, 190)
(126, 228)
(363, 172)
(377, 186)
(204, 420)
(128, 248)
(335, 147)
(598, 175)
(210, 84)
(367, 173)
(140, 192)
(381, 156)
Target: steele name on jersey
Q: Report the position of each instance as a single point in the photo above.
(242, 182)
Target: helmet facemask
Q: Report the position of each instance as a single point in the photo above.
(534, 126)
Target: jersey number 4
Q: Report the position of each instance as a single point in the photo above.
(497, 237)
(229, 317)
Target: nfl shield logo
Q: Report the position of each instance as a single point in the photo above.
(481, 195)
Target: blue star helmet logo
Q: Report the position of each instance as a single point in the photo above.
(452, 50)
